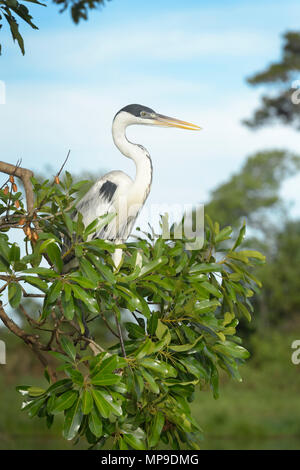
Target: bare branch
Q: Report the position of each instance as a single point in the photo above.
(31, 340)
(62, 167)
(25, 176)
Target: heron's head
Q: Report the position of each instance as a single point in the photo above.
(139, 114)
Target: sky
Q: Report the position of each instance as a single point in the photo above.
(186, 59)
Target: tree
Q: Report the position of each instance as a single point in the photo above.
(253, 192)
(279, 300)
(173, 313)
(10, 9)
(284, 106)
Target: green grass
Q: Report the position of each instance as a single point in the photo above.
(262, 412)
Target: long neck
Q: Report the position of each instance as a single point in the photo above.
(138, 154)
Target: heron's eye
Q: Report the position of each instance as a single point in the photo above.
(143, 113)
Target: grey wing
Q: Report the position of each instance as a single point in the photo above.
(102, 199)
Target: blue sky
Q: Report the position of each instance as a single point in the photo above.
(184, 59)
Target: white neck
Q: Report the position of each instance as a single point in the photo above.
(135, 152)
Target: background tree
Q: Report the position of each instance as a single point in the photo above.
(253, 194)
(279, 106)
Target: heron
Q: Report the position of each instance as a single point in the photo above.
(116, 192)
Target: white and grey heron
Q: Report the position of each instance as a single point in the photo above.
(116, 192)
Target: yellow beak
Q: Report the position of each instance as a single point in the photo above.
(167, 121)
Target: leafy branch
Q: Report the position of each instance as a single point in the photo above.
(168, 317)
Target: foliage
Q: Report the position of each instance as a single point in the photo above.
(279, 107)
(179, 310)
(10, 10)
(79, 8)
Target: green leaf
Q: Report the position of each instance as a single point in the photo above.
(107, 365)
(159, 367)
(211, 289)
(14, 294)
(55, 256)
(156, 429)
(53, 292)
(206, 268)
(194, 366)
(83, 282)
(36, 391)
(89, 271)
(105, 402)
(68, 347)
(134, 301)
(14, 29)
(240, 237)
(69, 223)
(86, 298)
(14, 253)
(95, 423)
(76, 376)
(145, 349)
(68, 306)
(61, 357)
(206, 306)
(64, 401)
(231, 349)
(60, 386)
(87, 402)
(36, 282)
(101, 379)
(44, 246)
(73, 420)
(185, 347)
(152, 325)
(224, 234)
(44, 272)
(214, 380)
(252, 254)
(134, 442)
(105, 271)
(244, 310)
(101, 403)
(152, 266)
(150, 381)
(34, 406)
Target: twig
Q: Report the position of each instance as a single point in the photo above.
(28, 317)
(120, 336)
(62, 167)
(3, 287)
(93, 345)
(108, 325)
